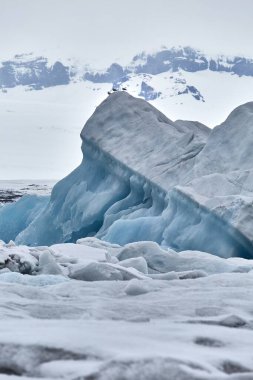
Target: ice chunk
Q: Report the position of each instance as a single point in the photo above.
(130, 273)
(136, 287)
(96, 272)
(138, 263)
(79, 252)
(155, 256)
(97, 243)
(10, 244)
(48, 265)
(17, 259)
(111, 259)
(233, 321)
(162, 260)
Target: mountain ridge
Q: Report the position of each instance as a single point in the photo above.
(37, 72)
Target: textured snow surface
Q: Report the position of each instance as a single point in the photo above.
(144, 177)
(186, 325)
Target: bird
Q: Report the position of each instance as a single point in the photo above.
(114, 89)
(124, 88)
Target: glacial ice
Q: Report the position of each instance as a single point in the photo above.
(144, 177)
(15, 217)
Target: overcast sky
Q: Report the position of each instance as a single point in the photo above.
(102, 31)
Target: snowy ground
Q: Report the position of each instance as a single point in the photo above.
(98, 311)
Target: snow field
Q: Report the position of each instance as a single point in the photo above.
(124, 320)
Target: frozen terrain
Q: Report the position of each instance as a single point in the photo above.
(93, 310)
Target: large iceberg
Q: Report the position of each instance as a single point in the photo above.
(145, 177)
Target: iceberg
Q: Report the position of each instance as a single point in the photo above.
(15, 217)
(146, 178)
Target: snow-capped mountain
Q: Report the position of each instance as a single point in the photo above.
(38, 73)
(50, 100)
(35, 72)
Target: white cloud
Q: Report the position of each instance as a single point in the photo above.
(101, 31)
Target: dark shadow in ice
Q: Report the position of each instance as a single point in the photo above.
(208, 342)
(232, 321)
(230, 367)
(17, 359)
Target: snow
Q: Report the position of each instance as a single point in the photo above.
(23, 279)
(69, 368)
(76, 251)
(190, 327)
(138, 263)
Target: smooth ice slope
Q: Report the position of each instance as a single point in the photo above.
(144, 177)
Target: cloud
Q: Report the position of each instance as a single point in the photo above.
(102, 31)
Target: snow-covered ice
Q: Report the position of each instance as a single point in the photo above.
(56, 327)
